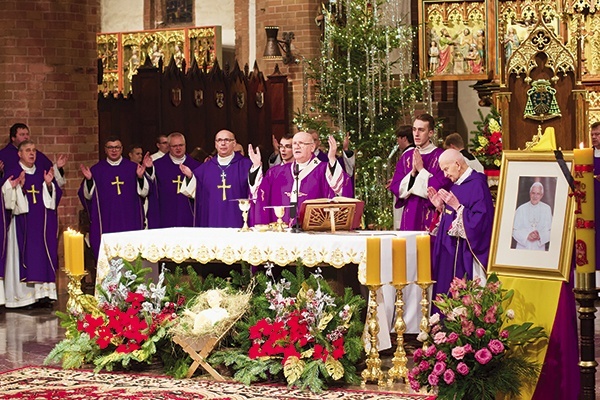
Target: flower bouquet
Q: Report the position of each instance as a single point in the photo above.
(487, 142)
(471, 353)
(125, 325)
(298, 330)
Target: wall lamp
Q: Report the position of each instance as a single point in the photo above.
(275, 46)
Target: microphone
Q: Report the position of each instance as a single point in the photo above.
(296, 227)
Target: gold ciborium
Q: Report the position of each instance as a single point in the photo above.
(244, 205)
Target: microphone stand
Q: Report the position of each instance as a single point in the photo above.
(296, 227)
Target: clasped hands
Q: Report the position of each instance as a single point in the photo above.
(440, 197)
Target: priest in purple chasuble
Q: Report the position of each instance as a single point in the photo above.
(167, 206)
(112, 193)
(32, 195)
(464, 231)
(316, 179)
(417, 170)
(9, 154)
(595, 133)
(217, 184)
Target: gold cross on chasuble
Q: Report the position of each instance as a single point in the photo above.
(178, 182)
(118, 183)
(223, 185)
(33, 192)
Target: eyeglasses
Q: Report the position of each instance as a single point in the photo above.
(224, 140)
(113, 147)
(285, 146)
(302, 144)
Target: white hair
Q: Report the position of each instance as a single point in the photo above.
(537, 184)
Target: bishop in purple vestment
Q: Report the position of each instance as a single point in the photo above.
(595, 133)
(417, 170)
(464, 232)
(32, 195)
(167, 206)
(316, 179)
(217, 184)
(112, 193)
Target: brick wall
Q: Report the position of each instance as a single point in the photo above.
(48, 81)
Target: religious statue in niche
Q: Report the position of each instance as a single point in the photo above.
(454, 45)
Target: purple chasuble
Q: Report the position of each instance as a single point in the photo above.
(418, 212)
(167, 207)
(4, 221)
(597, 209)
(115, 205)
(37, 231)
(452, 256)
(277, 186)
(214, 205)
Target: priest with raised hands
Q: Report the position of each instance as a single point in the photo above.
(167, 206)
(217, 184)
(112, 193)
(465, 226)
(291, 184)
(32, 195)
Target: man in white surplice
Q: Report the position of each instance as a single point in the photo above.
(533, 221)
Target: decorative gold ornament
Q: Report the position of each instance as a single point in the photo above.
(373, 371)
(399, 370)
(541, 101)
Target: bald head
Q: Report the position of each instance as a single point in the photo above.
(453, 164)
(303, 147)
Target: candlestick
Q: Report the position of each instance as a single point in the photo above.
(424, 325)
(423, 258)
(398, 261)
(74, 292)
(373, 371)
(399, 370)
(585, 251)
(373, 260)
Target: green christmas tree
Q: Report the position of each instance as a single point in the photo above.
(361, 88)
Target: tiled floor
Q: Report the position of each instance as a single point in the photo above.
(27, 336)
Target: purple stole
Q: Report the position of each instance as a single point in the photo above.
(597, 208)
(37, 231)
(167, 207)
(212, 210)
(115, 205)
(418, 212)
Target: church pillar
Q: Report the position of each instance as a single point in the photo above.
(48, 81)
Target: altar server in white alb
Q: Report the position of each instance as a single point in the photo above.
(533, 221)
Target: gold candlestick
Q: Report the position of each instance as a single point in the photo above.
(74, 291)
(373, 371)
(399, 370)
(424, 325)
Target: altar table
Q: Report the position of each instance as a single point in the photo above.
(229, 246)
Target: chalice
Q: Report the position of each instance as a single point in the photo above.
(279, 213)
(244, 205)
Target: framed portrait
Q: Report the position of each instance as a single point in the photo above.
(453, 40)
(534, 219)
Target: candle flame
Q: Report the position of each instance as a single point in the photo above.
(581, 145)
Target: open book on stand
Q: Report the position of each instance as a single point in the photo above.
(338, 213)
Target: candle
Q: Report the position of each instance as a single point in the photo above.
(67, 248)
(373, 261)
(398, 261)
(77, 260)
(585, 252)
(423, 258)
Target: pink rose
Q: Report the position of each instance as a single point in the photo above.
(483, 356)
(423, 366)
(496, 346)
(468, 327)
(462, 368)
(452, 337)
(468, 348)
(433, 379)
(439, 338)
(414, 385)
(458, 352)
(504, 334)
(430, 351)
(480, 332)
(418, 355)
(449, 376)
(439, 368)
(414, 372)
(441, 356)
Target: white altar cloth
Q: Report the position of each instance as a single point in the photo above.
(230, 246)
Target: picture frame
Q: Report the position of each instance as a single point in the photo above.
(455, 41)
(533, 235)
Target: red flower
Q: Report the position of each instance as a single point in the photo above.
(338, 348)
(255, 351)
(136, 299)
(89, 325)
(127, 347)
(290, 351)
(320, 352)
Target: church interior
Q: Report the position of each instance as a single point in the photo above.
(518, 80)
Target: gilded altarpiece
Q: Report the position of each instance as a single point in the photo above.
(121, 54)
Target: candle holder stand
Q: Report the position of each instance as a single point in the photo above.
(399, 370)
(373, 371)
(424, 325)
(586, 293)
(74, 292)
